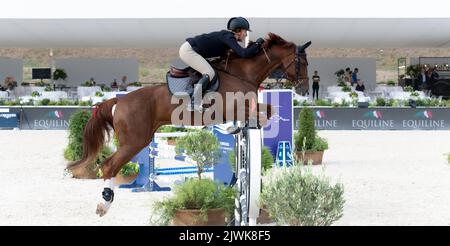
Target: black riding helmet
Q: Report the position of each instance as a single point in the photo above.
(238, 22)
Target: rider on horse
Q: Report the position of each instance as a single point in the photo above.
(215, 44)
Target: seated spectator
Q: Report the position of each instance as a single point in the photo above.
(354, 76)
(360, 86)
(123, 85)
(10, 83)
(349, 82)
(347, 75)
(92, 82)
(114, 84)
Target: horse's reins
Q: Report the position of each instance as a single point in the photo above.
(228, 57)
(296, 59)
(265, 53)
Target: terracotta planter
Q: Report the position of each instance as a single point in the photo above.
(264, 217)
(315, 156)
(120, 179)
(189, 217)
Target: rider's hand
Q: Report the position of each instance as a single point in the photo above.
(259, 41)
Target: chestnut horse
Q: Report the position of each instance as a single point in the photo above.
(136, 116)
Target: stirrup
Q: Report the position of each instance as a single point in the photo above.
(195, 107)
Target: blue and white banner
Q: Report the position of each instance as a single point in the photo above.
(9, 120)
(379, 118)
(280, 127)
(223, 171)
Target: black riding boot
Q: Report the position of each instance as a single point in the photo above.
(199, 88)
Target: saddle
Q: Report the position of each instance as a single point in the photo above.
(181, 79)
(179, 69)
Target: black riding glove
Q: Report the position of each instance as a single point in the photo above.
(259, 41)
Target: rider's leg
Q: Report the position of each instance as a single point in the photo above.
(197, 62)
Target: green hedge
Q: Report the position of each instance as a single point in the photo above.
(307, 131)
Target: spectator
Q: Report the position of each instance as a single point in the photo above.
(92, 82)
(434, 76)
(315, 85)
(350, 74)
(10, 83)
(114, 84)
(347, 75)
(123, 85)
(360, 86)
(422, 79)
(354, 76)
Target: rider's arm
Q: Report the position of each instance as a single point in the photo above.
(251, 51)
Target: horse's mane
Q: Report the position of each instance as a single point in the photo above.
(271, 40)
(274, 39)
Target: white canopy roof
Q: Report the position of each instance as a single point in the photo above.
(171, 32)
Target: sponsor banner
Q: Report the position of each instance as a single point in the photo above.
(379, 118)
(9, 120)
(223, 172)
(279, 127)
(44, 118)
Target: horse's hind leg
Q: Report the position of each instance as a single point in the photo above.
(111, 167)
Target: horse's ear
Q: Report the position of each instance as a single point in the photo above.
(302, 48)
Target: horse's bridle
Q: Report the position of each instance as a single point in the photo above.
(296, 60)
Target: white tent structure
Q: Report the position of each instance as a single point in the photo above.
(171, 32)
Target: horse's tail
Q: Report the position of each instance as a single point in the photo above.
(94, 136)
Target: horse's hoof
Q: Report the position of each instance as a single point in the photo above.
(101, 209)
(67, 173)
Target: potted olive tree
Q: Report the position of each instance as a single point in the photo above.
(198, 201)
(295, 196)
(308, 145)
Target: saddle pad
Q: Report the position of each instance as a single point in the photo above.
(179, 86)
(183, 86)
